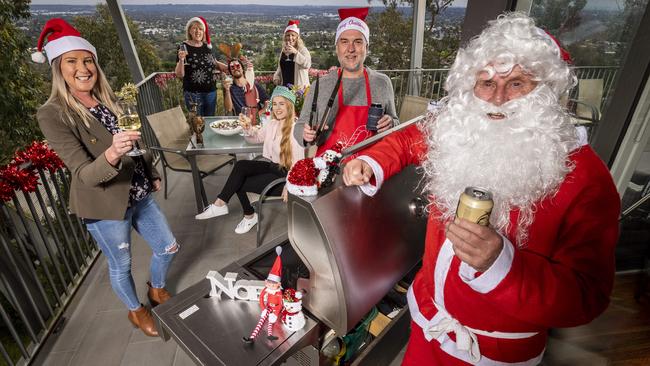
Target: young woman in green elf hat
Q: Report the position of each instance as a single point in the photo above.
(280, 148)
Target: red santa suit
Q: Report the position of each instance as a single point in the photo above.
(561, 277)
(271, 301)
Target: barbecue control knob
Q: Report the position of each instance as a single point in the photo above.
(417, 206)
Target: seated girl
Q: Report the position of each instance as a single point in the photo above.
(280, 148)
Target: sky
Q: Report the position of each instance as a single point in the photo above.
(346, 3)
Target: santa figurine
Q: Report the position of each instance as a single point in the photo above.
(292, 317)
(270, 300)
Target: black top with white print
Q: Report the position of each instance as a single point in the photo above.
(199, 66)
(140, 184)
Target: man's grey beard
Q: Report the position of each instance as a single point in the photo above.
(520, 159)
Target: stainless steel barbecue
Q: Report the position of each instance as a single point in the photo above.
(345, 249)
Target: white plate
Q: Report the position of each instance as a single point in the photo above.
(225, 127)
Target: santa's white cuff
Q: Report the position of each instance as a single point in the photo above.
(489, 279)
(369, 189)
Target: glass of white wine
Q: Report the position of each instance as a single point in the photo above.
(128, 120)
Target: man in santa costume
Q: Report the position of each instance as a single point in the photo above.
(270, 300)
(359, 87)
(488, 295)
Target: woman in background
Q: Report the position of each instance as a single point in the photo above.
(196, 65)
(280, 148)
(295, 60)
(110, 191)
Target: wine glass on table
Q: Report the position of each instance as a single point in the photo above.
(128, 120)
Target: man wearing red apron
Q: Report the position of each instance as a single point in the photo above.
(359, 86)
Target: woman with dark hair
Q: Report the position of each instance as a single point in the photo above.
(110, 191)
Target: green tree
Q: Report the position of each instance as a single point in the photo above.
(558, 16)
(391, 39)
(20, 86)
(434, 7)
(391, 35)
(100, 31)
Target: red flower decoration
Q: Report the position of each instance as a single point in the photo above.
(40, 155)
(162, 79)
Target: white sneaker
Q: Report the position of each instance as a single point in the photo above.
(212, 211)
(245, 225)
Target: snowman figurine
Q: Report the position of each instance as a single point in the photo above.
(293, 318)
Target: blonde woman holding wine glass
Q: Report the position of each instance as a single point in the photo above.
(295, 59)
(110, 191)
(281, 150)
(196, 64)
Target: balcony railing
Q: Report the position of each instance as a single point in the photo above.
(45, 252)
(162, 90)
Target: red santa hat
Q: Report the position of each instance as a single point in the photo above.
(61, 38)
(206, 30)
(292, 26)
(353, 18)
(276, 271)
(301, 180)
(564, 54)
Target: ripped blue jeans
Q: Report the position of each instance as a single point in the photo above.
(114, 239)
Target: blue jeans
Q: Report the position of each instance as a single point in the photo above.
(207, 102)
(114, 239)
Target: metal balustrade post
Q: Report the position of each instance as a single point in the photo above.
(40, 256)
(14, 333)
(46, 240)
(64, 207)
(5, 355)
(13, 299)
(88, 244)
(26, 258)
(61, 246)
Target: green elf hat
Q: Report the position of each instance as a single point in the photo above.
(283, 91)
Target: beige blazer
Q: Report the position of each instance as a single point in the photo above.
(300, 71)
(98, 190)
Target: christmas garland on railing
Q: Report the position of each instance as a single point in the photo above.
(162, 78)
(21, 174)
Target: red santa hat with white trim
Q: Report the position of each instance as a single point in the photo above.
(61, 38)
(301, 179)
(353, 18)
(292, 26)
(276, 271)
(562, 52)
(206, 30)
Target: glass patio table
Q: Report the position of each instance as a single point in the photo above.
(215, 144)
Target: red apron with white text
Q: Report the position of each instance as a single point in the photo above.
(350, 122)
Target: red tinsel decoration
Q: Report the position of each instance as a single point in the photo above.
(12, 178)
(303, 173)
(40, 155)
(6, 192)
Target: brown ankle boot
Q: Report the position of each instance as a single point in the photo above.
(142, 319)
(157, 296)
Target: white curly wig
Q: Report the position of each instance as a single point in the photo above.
(512, 39)
(520, 159)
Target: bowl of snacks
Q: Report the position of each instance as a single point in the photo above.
(226, 127)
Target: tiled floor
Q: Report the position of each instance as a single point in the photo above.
(97, 331)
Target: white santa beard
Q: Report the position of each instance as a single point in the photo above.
(520, 159)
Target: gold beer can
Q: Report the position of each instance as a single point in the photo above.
(475, 205)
